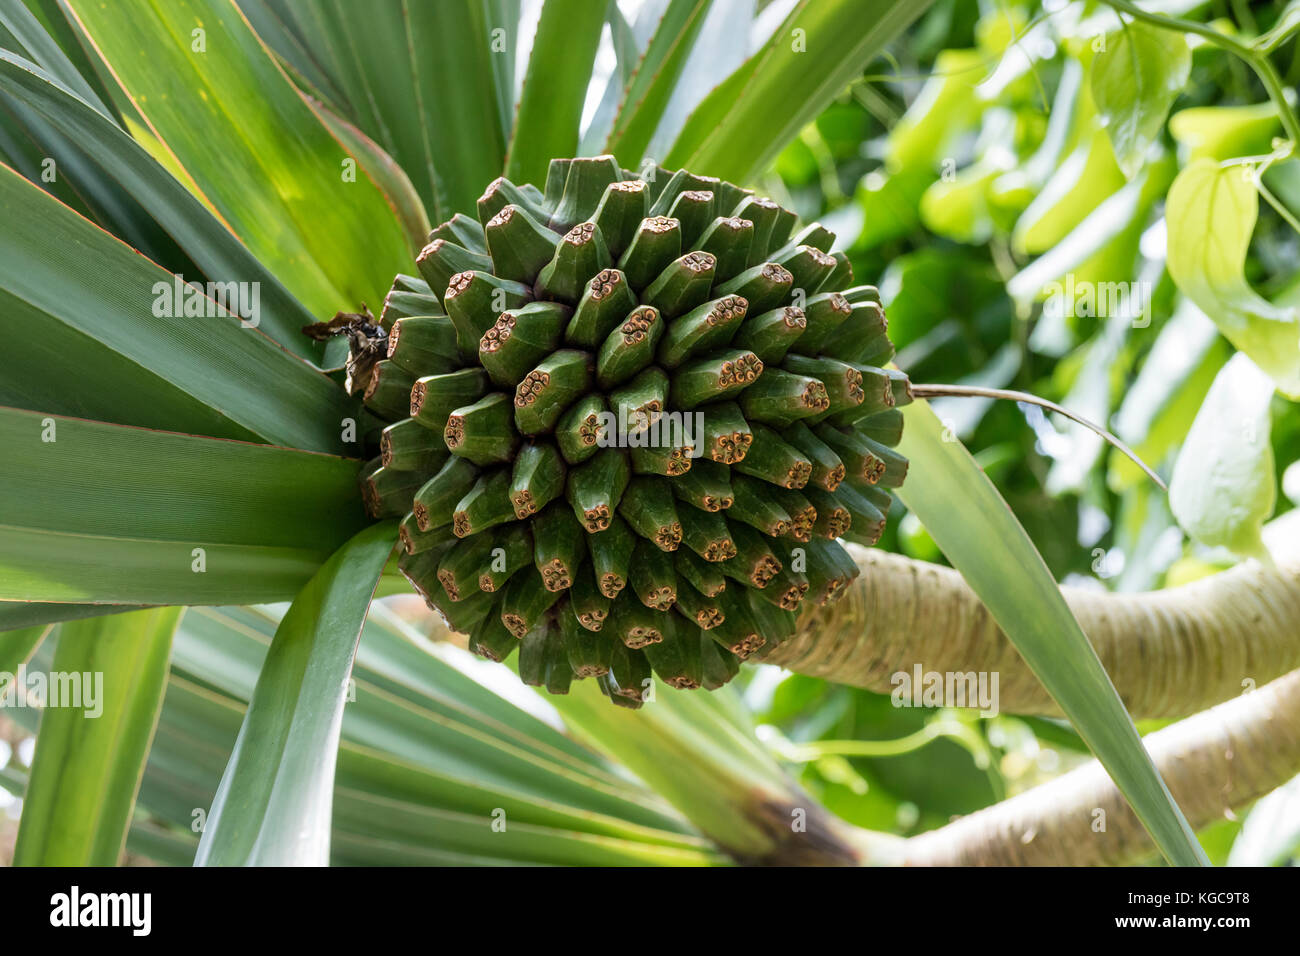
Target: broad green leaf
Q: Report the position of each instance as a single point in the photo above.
(421, 79)
(1072, 111)
(1086, 177)
(1223, 132)
(646, 95)
(1224, 485)
(92, 330)
(1055, 273)
(973, 526)
(808, 61)
(1014, 76)
(91, 748)
(555, 87)
(116, 156)
(251, 146)
(1136, 77)
(957, 208)
(95, 513)
(274, 802)
(1211, 213)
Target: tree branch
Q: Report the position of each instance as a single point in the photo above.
(1170, 653)
(1214, 763)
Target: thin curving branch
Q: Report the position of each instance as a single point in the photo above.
(979, 391)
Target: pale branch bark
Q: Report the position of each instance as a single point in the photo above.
(1215, 762)
(1170, 653)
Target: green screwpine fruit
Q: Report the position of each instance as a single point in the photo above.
(642, 416)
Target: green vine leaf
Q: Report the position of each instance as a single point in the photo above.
(1224, 486)
(1211, 213)
(1135, 80)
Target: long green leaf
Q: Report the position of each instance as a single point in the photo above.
(93, 513)
(422, 81)
(273, 806)
(424, 714)
(651, 86)
(720, 53)
(24, 614)
(62, 165)
(627, 42)
(110, 340)
(388, 812)
(33, 25)
(421, 740)
(118, 157)
(144, 838)
(503, 16)
(90, 752)
(823, 44)
(445, 792)
(278, 29)
(555, 87)
(77, 311)
(973, 526)
(251, 147)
